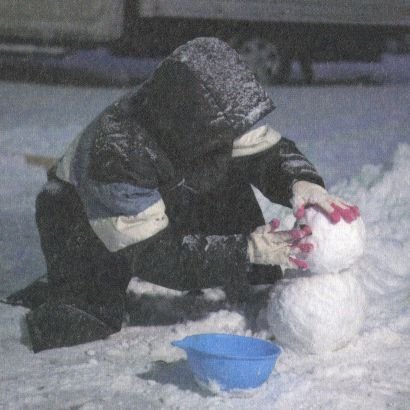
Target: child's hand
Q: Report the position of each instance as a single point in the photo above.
(306, 193)
(266, 246)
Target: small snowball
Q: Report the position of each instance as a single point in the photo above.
(316, 314)
(336, 246)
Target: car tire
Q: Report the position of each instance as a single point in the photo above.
(269, 60)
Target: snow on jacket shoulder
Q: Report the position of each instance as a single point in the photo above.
(112, 165)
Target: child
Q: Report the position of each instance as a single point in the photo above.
(159, 186)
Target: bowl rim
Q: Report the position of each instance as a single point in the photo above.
(277, 349)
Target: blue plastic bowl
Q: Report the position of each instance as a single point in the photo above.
(230, 361)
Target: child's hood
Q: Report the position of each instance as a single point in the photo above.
(201, 97)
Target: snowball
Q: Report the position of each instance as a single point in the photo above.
(316, 314)
(336, 246)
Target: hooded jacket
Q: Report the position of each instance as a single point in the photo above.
(146, 169)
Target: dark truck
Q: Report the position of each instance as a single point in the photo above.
(269, 34)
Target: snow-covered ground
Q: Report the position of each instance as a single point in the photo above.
(354, 124)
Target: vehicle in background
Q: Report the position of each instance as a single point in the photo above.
(270, 34)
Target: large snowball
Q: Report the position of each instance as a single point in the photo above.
(336, 246)
(316, 314)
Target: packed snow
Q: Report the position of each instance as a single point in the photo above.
(336, 247)
(357, 134)
(325, 310)
(316, 314)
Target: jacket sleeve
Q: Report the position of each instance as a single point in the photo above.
(190, 261)
(131, 222)
(275, 170)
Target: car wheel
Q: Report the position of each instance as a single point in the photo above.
(268, 60)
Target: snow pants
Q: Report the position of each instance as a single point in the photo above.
(80, 270)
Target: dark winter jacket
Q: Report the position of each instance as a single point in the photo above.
(153, 168)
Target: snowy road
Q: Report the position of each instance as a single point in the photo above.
(354, 125)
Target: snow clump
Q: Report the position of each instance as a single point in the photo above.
(316, 314)
(336, 246)
(322, 312)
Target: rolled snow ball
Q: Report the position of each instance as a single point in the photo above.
(316, 314)
(336, 246)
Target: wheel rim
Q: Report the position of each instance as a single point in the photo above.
(263, 57)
